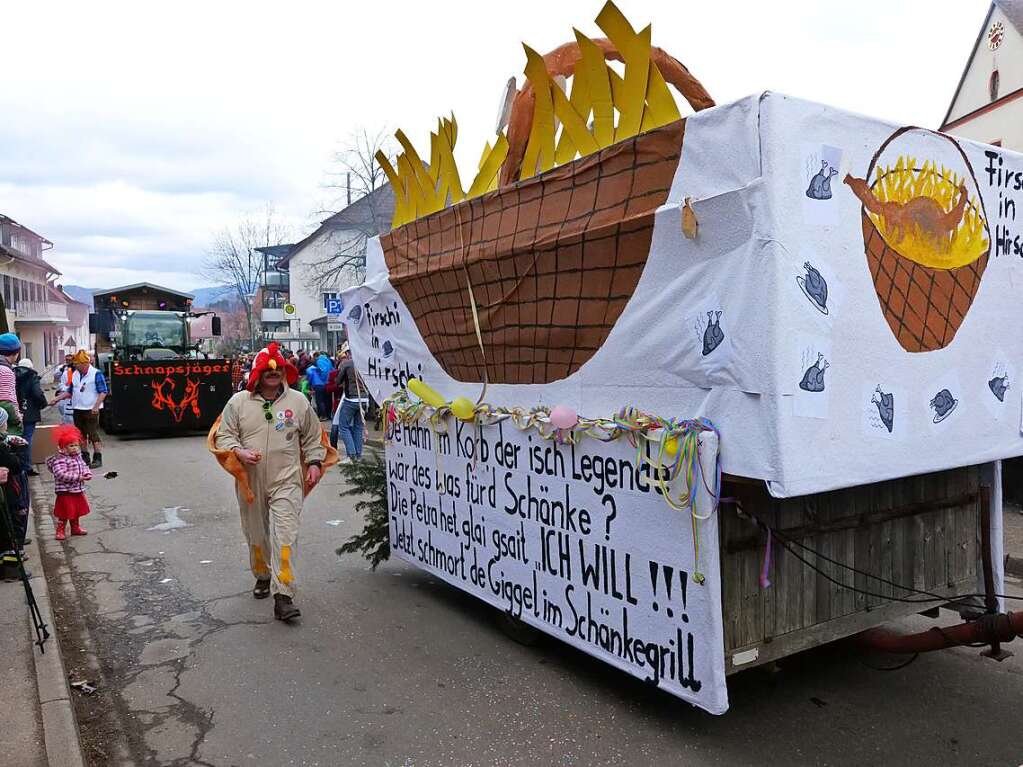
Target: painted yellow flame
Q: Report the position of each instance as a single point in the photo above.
(906, 180)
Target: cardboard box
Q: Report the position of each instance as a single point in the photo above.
(43, 443)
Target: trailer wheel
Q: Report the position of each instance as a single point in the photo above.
(518, 630)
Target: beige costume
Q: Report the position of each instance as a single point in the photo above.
(270, 520)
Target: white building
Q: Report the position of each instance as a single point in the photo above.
(988, 102)
(273, 296)
(42, 315)
(75, 334)
(319, 267)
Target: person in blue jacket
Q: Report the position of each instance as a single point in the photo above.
(317, 374)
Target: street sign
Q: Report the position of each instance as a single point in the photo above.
(290, 310)
(335, 326)
(335, 306)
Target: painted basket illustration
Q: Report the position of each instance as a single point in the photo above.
(551, 262)
(926, 239)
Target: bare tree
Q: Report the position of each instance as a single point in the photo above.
(233, 262)
(354, 174)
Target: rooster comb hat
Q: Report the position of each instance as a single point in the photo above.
(271, 358)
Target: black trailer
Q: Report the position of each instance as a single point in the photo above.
(174, 395)
(159, 382)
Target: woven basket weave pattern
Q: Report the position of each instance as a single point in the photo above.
(924, 307)
(552, 262)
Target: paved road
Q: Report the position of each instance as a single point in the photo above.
(396, 668)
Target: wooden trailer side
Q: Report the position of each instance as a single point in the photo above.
(922, 532)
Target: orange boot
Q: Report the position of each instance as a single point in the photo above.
(60, 529)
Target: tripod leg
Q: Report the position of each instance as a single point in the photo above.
(42, 633)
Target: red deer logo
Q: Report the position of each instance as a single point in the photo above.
(165, 399)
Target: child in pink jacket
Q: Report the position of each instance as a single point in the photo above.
(70, 473)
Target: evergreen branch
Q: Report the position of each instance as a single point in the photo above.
(368, 478)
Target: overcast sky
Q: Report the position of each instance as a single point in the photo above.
(131, 132)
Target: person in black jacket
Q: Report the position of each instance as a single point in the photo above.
(11, 529)
(354, 399)
(31, 400)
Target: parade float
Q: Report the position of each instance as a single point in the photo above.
(694, 393)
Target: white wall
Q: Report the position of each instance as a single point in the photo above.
(78, 326)
(1008, 59)
(1004, 123)
(308, 300)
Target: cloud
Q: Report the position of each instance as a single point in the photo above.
(105, 232)
(83, 150)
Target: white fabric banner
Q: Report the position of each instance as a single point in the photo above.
(573, 539)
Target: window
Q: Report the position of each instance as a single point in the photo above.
(328, 296)
(7, 290)
(274, 300)
(152, 329)
(276, 280)
(992, 85)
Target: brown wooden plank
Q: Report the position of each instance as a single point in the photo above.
(865, 547)
(769, 596)
(809, 577)
(884, 560)
(751, 620)
(731, 605)
(821, 544)
(902, 558)
(789, 581)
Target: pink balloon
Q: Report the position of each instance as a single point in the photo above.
(563, 417)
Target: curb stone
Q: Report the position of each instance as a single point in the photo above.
(60, 730)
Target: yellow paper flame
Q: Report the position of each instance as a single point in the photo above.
(567, 122)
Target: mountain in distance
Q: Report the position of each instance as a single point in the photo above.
(203, 296)
(79, 293)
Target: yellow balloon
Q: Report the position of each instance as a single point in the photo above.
(671, 446)
(463, 409)
(425, 393)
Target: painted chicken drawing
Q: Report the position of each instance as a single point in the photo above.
(921, 216)
(820, 184)
(943, 404)
(885, 404)
(813, 378)
(998, 386)
(713, 335)
(814, 287)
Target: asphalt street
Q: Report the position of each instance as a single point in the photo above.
(394, 667)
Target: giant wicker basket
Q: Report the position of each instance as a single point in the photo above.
(923, 306)
(551, 261)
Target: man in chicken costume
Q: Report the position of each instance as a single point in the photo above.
(271, 441)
